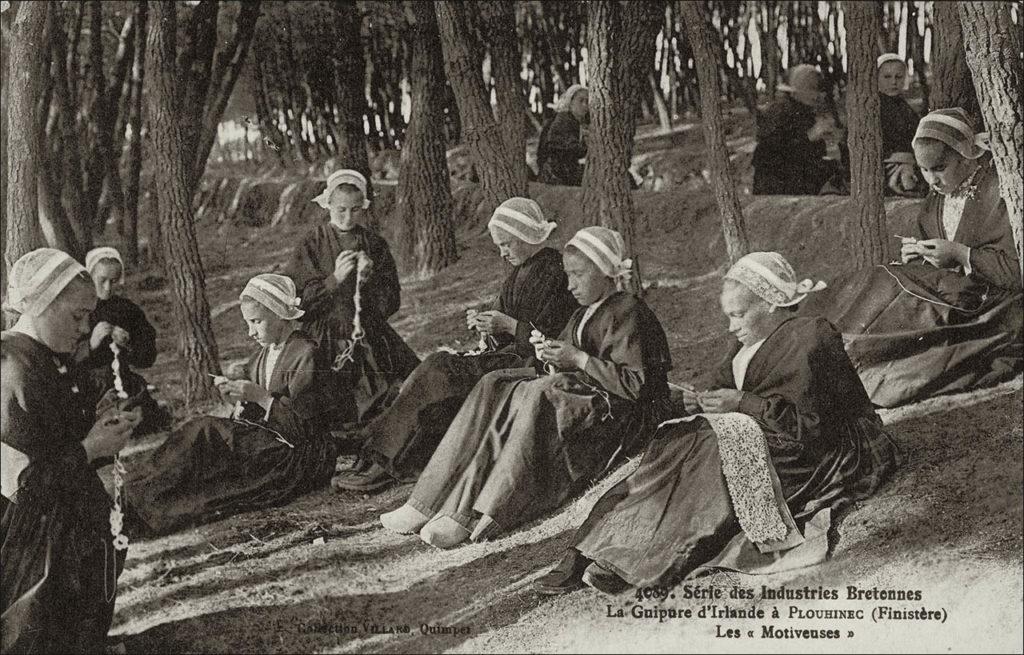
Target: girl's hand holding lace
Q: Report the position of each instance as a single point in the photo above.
(720, 401)
(562, 355)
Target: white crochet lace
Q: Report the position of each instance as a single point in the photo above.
(744, 454)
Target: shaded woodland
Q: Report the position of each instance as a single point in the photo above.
(112, 112)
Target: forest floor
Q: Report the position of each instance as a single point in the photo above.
(320, 574)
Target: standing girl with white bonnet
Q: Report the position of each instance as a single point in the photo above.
(275, 445)
(118, 328)
(529, 439)
(749, 477)
(946, 317)
(561, 144)
(59, 566)
(348, 282)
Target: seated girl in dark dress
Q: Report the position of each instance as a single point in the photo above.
(275, 446)
(525, 442)
(899, 122)
(948, 317)
(561, 144)
(118, 323)
(748, 480)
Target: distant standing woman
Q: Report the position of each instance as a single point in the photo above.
(58, 565)
(561, 144)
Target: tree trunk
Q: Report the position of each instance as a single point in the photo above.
(619, 40)
(951, 78)
(993, 54)
(865, 138)
(423, 206)
(28, 52)
(133, 168)
(498, 22)
(501, 175)
(197, 347)
(702, 38)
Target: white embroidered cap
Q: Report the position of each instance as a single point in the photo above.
(336, 179)
(953, 127)
(607, 249)
(523, 219)
(96, 255)
(276, 293)
(38, 277)
(772, 279)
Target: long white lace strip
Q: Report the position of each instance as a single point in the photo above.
(744, 454)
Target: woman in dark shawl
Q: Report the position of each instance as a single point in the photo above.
(58, 563)
(276, 445)
(789, 158)
(524, 443)
(785, 436)
(948, 317)
(561, 144)
(535, 296)
(349, 286)
(118, 322)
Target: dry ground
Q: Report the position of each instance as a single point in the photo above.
(317, 574)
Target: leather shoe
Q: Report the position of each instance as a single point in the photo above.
(565, 577)
(375, 478)
(605, 581)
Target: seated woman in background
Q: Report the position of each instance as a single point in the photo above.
(118, 323)
(349, 286)
(748, 481)
(899, 123)
(561, 144)
(524, 443)
(58, 561)
(789, 156)
(277, 443)
(948, 316)
(535, 295)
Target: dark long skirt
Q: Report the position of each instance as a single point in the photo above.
(914, 331)
(59, 569)
(216, 467)
(404, 436)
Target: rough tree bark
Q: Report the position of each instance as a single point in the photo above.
(865, 139)
(351, 89)
(702, 38)
(993, 54)
(500, 175)
(133, 148)
(951, 78)
(27, 56)
(197, 347)
(620, 43)
(423, 206)
(498, 26)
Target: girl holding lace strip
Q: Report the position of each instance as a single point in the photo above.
(59, 567)
(349, 286)
(948, 316)
(747, 481)
(526, 441)
(275, 446)
(118, 320)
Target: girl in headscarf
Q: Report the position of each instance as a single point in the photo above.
(119, 322)
(561, 144)
(947, 316)
(535, 295)
(277, 442)
(525, 441)
(899, 122)
(349, 286)
(747, 481)
(58, 563)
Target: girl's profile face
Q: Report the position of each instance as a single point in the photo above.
(346, 207)
(943, 168)
(587, 283)
(265, 327)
